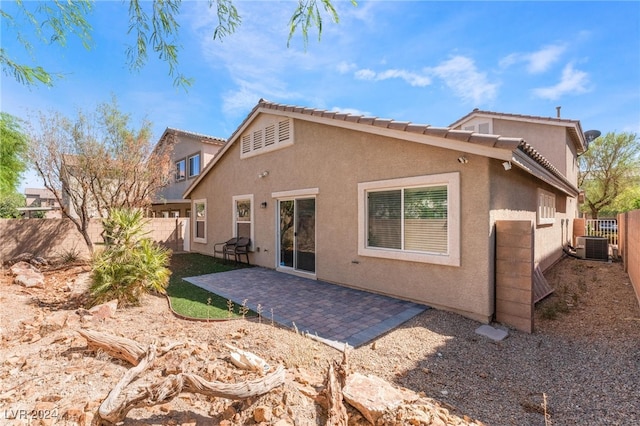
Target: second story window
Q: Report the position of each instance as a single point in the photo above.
(181, 170)
(194, 165)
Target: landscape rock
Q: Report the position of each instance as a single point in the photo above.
(372, 396)
(495, 334)
(23, 257)
(53, 322)
(26, 275)
(105, 310)
(20, 267)
(262, 414)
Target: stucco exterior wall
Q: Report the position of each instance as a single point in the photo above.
(550, 141)
(334, 161)
(514, 195)
(184, 148)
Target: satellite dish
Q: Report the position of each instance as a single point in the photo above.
(590, 135)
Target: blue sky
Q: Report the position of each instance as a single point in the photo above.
(425, 62)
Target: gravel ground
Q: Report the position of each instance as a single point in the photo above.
(585, 362)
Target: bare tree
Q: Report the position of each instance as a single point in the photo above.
(97, 162)
(608, 169)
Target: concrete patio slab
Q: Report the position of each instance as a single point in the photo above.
(333, 314)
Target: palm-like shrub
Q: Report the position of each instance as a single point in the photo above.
(131, 264)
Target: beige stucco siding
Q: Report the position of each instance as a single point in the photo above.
(550, 141)
(514, 195)
(333, 161)
(182, 150)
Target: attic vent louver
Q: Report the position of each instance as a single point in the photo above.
(272, 136)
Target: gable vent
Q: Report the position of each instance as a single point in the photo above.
(265, 139)
(270, 135)
(246, 144)
(283, 131)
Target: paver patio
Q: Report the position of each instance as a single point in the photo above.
(335, 314)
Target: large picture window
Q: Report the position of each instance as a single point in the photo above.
(200, 221)
(413, 219)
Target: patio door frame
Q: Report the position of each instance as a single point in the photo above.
(296, 195)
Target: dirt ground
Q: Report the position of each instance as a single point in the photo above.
(47, 368)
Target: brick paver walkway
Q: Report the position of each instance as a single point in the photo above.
(333, 313)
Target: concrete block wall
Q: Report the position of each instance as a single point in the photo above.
(51, 238)
(629, 246)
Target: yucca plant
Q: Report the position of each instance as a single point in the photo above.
(130, 264)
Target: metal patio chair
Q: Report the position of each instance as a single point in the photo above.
(224, 248)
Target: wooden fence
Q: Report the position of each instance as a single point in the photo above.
(515, 274)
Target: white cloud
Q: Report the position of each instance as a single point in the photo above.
(256, 58)
(538, 61)
(345, 67)
(463, 78)
(459, 74)
(365, 74)
(413, 79)
(572, 82)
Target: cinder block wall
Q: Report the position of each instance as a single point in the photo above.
(51, 238)
(629, 232)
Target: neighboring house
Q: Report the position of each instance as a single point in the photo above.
(391, 207)
(190, 153)
(558, 142)
(41, 200)
(556, 139)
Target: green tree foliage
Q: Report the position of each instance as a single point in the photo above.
(9, 204)
(50, 22)
(610, 173)
(13, 149)
(96, 162)
(131, 265)
(153, 24)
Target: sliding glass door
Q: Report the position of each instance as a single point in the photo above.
(297, 234)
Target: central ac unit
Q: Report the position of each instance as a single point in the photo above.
(593, 248)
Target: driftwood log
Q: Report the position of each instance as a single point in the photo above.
(336, 378)
(122, 398)
(116, 346)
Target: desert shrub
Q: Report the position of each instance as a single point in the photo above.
(130, 264)
(69, 255)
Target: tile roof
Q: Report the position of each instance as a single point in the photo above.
(516, 117)
(573, 126)
(480, 139)
(483, 139)
(207, 138)
(406, 126)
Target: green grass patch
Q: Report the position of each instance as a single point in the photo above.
(192, 301)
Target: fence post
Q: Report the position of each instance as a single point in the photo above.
(514, 274)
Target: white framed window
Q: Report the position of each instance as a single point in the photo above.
(414, 219)
(181, 170)
(199, 221)
(546, 213)
(243, 216)
(194, 165)
(274, 135)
